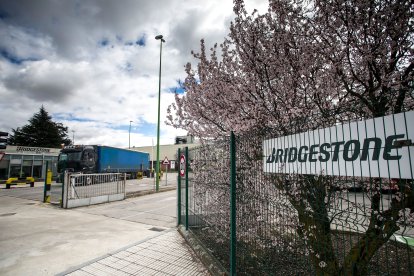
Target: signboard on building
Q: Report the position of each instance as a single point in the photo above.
(32, 150)
(380, 147)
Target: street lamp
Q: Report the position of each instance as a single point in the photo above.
(129, 137)
(157, 174)
(73, 137)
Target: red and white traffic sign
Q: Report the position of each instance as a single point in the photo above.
(166, 161)
(182, 165)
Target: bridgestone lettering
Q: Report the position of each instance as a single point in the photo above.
(322, 153)
(32, 149)
(363, 148)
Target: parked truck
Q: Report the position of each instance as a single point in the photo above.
(102, 159)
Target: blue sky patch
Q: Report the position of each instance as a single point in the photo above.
(104, 42)
(141, 41)
(70, 117)
(179, 89)
(148, 129)
(14, 58)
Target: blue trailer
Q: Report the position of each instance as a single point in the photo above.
(100, 159)
(121, 160)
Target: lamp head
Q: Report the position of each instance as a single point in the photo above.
(158, 37)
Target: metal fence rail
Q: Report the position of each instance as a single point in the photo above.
(96, 188)
(298, 212)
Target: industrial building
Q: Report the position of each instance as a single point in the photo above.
(21, 161)
(168, 152)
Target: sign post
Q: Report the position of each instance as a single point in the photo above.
(179, 193)
(166, 162)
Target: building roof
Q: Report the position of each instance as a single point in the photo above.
(169, 151)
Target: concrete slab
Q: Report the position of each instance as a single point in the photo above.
(39, 239)
(154, 209)
(166, 254)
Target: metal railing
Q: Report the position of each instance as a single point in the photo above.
(87, 186)
(292, 210)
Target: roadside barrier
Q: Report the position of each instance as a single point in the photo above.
(19, 181)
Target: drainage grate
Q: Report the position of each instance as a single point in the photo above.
(7, 214)
(156, 229)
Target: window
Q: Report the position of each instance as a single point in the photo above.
(70, 156)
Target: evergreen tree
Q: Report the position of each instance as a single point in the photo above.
(40, 132)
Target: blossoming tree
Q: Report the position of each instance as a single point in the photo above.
(340, 59)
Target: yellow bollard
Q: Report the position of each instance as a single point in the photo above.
(139, 175)
(49, 177)
(10, 181)
(30, 180)
(48, 185)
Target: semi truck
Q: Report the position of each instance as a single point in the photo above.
(102, 159)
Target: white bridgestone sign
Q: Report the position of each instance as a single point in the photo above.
(380, 147)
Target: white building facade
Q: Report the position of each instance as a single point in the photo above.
(22, 161)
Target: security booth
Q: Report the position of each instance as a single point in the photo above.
(22, 161)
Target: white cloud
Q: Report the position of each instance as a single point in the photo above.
(81, 61)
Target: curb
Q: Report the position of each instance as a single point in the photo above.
(148, 192)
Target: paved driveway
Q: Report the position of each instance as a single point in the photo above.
(40, 239)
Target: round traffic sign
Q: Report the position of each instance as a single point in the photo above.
(182, 165)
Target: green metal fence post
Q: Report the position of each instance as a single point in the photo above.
(232, 204)
(179, 191)
(186, 188)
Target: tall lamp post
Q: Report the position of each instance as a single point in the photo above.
(157, 174)
(129, 136)
(73, 137)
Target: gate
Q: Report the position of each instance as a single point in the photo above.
(334, 200)
(88, 189)
(56, 193)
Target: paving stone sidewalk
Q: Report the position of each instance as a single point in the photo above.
(165, 254)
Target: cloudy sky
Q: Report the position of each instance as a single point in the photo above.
(94, 64)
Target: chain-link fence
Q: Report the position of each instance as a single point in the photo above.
(335, 199)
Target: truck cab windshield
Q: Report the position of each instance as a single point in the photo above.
(70, 156)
